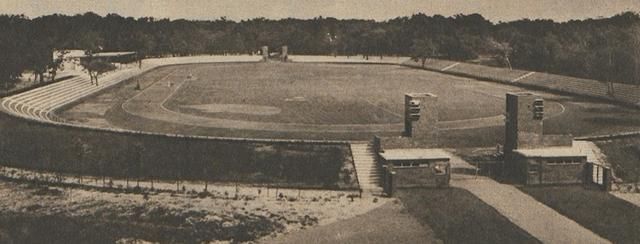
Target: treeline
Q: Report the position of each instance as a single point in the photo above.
(606, 49)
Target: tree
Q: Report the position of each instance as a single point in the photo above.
(95, 67)
(422, 49)
(92, 43)
(38, 57)
(142, 44)
(138, 165)
(633, 52)
(502, 51)
(83, 155)
(56, 64)
(12, 49)
(577, 48)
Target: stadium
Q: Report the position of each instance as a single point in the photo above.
(313, 115)
(277, 145)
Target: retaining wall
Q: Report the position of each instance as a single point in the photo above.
(65, 148)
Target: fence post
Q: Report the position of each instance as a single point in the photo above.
(606, 179)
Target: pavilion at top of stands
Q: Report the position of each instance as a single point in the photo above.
(76, 54)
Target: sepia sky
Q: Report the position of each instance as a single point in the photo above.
(494, 10)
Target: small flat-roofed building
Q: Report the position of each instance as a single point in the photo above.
(551, 165)
(415, 167)
(72, 58)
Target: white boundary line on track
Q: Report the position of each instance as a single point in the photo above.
(123, 105)
(523, 76)
(450, 66)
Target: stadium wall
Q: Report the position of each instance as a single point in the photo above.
(72, 149)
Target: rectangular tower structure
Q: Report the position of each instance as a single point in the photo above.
(523, 122)
(284, 54)
(265, 53)
(421, 115)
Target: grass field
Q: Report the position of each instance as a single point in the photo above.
(323, 101)
(601, 212)
(324, 93)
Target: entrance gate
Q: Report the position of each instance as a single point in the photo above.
(598, 175)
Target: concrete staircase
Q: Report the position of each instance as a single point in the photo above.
(367, 169)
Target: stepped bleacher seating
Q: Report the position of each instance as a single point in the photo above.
(624, 93)
(347, 59)
(487, 72)
(41, 103)
(432, 64)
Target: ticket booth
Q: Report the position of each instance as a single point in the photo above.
(551, 165)
(410, 168)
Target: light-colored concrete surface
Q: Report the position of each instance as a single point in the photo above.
(593, 152)
(347, 59)
(459, 163)
(367, 169)
(523, 210)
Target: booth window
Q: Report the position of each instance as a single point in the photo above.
(562, 161)
(407, 164)
(440, 169)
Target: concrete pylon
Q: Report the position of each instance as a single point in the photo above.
(284, 54)
(523, 125)
(265, 53)
(421, 115)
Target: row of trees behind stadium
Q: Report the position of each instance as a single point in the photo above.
(606, 49)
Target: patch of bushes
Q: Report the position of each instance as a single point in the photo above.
(46, 191)
(624, 156)
(156, 224)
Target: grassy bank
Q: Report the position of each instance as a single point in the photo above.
(37, 146)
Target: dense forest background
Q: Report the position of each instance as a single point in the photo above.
(606, 49)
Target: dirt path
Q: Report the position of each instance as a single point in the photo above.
(389, 223)
(523, 210)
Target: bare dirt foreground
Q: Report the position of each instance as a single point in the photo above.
(390, 223)
(32, 213)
